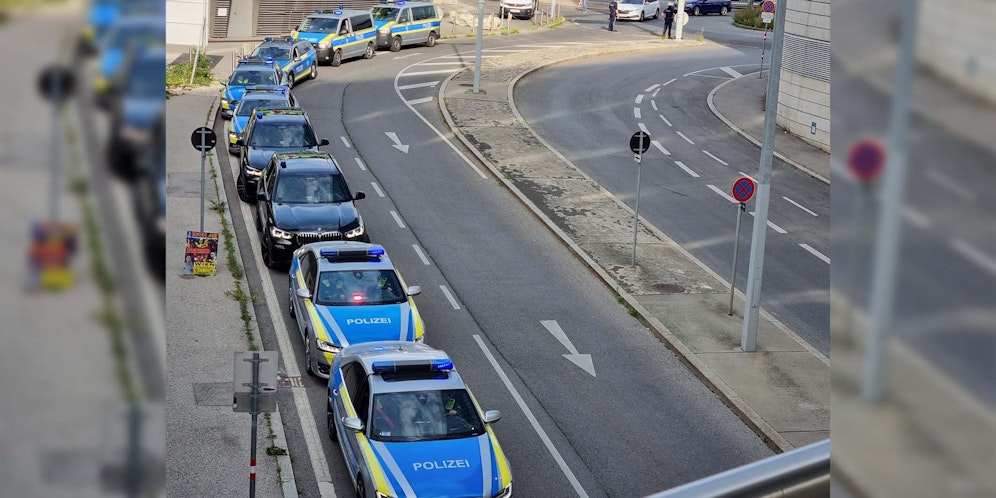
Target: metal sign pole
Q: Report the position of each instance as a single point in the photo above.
(736, 252)
(636, 215)
(764, 43)
(203, 156)
(254, 411)
(480, 46)
(56, 148)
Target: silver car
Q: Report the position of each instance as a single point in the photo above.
(639, 10)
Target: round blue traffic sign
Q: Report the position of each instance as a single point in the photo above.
(743, 189)
(866, 159)
(768, 6)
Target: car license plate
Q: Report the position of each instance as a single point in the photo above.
(514, 11)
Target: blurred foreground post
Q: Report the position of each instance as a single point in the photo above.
(887, 241)
(480, 46)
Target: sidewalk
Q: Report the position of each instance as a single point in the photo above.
(207, 443)
(740, 104)
(782, 391)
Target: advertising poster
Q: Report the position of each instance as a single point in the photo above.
(200, 254)
(50, 253)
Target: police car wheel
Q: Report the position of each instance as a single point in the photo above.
(308, 357)
(431, 41)
(240, 186)
(368, 53)
(337, 58)
(267, 256)
(330, 420)
(361, 488)
(395, 44)
(314, 70)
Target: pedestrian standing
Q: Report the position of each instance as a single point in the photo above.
(583, 4)
(669, 19)
(613, 10)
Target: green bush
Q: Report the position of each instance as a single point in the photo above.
(751, 16)
(178, 75)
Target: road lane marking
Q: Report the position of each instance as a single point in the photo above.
(505, 50)
(653, 103)
(407, 56)
(441, 63)
(816, 253)
(665, 120)
(669, 82)
(730, 71)
(449, 297)
(437, 71)
(687, 169)
(422, 100)
(359, 162)
(652, 87)
(421, 255)
(974, 255)
(720, 192)
(467, 56)
(532, 419)
(772, 225)
(377, 188)
(655, 93)
(636, 112)
(916, 218)
(639, 99)
(397, 219)
(345, 142)
(682, 135)
(720, 161)
(748, 176)
(541, 46)
(660, 147)
(947, 183)
(800, 206)
(419, 85)
(643, 128)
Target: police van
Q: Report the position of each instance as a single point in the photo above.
(406, 23)
(338, 35)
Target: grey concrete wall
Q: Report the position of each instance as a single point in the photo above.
(956, 42)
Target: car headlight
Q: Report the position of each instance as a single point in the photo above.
(384, 31)
(324, 45)
(254, 172)
(280, 234)
(328, 347)
(504, 493)
(356, 232)
(232, 137)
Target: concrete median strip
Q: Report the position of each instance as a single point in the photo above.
(781, 392)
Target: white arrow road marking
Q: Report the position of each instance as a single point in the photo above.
(345, 142)
(816, 253)
(419, 85)
(720, 161)
(581, 360)
(730, 71)
(397, 142)
(660, 147)
(687, 169)
(406, 56)
(422, 100)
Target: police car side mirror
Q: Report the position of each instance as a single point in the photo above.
(492, 416)
(239, 141)
(359, 195)
(223, 82)
(303, 293)
(414, 290)
(354, 424)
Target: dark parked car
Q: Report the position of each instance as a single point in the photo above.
(699, 7)
(137, 107)
(270, 131)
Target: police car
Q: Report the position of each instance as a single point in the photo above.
(405, 23)
(407, 425)
(296, 58)
(249, 72)
(126, 34)
(344, 293)
(102, 15)
(339, 34)
(256, 97)
(267, 132)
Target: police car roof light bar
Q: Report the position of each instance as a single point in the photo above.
(361, 254)
(268, 39)
(412, 366)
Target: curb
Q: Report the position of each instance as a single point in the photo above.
(744, 26)
(779, 155)
(747, 414)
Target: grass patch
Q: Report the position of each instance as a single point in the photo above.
(178, 75)
(751, 17)
(513, 31)
(557, 22)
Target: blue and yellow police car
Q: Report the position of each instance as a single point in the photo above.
(339, 35)
(407, 425)
(256, 97)
(126, 34)
(296, 58)
(102, 15)
(249, 72)
(406, 23)
(346, 292)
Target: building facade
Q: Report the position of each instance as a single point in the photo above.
(804, 90)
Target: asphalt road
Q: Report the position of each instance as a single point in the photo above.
(643, 424)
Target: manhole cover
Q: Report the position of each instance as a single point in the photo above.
(668, 288)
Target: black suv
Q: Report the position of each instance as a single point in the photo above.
(270, 131)
(304, 198)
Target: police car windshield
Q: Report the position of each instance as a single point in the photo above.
(249, 105)
(384, 13)
(277, 53)
(318, 25)
(297, 135)
(246, 77)
(139, 34)
(424, 416)
(311, 188)
(360, 287)
(147, 80)
(633, 2)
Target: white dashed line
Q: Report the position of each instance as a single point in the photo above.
(643, 128)
(660, 147)
(916, 218)
(419, 85)
(653, 103)
(654, 95)
(800, 206)
(377, 188)
(748, 176)
(359, 162)
(438, 71)
(730, 71)
(467, 56)
(422, 100)
(772, 225)
(505, 50)
(947, 183)
(720, 192)
(636, 112)
(450, 297)
(441, 63)
(541, 46)
(639, 99)
(974, 255)
(816, 253)
(652, 87)
(397, 219)
(687, 169)
(669, 82)
(720, 161)
(345, 142)
(665, 120)
(682, 135)
(421, 255)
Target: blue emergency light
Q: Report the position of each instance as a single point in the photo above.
(268, 39)
(338, 12)
(413, 366)
(259, 115)
(373, 251)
